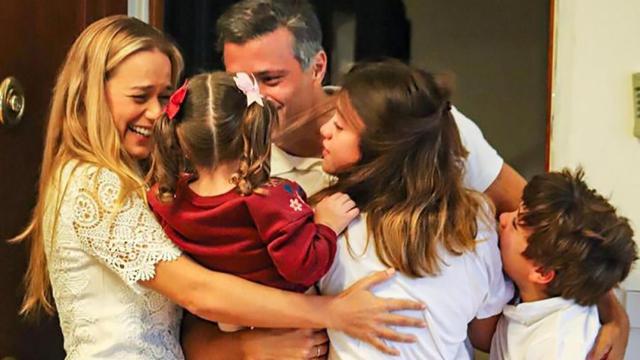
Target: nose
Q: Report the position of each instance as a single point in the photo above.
(154, 109)
(325, 131)
(503, 220)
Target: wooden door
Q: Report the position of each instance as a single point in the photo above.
(34, 36)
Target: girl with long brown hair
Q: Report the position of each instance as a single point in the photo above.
(116, 278)
(395, 149)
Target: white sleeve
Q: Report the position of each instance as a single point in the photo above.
(500, 290)
(498, 349)
(483, 163)
(125, 237)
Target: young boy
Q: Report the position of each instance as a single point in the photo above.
(564, 248)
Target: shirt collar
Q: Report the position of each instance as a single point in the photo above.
(282, 163)
(528, 313)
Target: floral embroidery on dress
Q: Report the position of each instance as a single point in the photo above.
(96, 254)
(295, 204)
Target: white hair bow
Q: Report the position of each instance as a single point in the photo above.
(249, 86)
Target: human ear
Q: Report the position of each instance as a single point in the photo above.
(542, 276)
(319, 66)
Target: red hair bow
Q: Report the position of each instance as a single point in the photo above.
(175, 101)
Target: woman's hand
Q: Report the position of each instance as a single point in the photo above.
(363, 316)
(203, 340)
(268, 344)
(610, 344)
(613, 336)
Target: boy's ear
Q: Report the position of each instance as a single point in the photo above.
(542, 276)
(319, 66)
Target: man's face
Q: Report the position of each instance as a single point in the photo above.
(281, 77)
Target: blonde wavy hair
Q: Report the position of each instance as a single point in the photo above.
(81, 127)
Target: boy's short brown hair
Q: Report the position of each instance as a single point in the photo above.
(577, 233)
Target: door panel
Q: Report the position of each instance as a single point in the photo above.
(35, 35)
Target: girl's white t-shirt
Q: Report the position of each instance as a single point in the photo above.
(469, 286)
(483, 164)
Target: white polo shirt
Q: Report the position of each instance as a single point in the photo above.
(482, 165)
(305, 171)
(553, 328)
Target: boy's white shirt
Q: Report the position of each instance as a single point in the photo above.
(553, 328)
(482, 165)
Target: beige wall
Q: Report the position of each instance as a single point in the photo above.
(598, 49)
(498, 51)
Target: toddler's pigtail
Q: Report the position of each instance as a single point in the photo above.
(255, 164)
(168, 158)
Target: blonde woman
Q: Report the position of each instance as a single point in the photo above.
(114, 275)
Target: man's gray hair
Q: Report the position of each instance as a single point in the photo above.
(250, 19)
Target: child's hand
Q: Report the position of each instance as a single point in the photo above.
(336, 211)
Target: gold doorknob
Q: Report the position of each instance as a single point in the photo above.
(11, 102)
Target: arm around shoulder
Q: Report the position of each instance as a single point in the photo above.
(480, 332)
(485, 170)
(506, 190)
(614, 334)
(226, 298)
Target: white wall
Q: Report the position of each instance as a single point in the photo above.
(139, 9)
(597, 50)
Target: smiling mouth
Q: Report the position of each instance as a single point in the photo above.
(140, 130)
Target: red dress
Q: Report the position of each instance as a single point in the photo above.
(267, 238)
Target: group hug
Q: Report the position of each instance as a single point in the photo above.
(254, 213)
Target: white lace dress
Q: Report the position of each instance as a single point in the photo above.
(95, 257)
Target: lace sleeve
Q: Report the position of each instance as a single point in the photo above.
(125, 237)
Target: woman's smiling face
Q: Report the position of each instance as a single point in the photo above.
(136, 91)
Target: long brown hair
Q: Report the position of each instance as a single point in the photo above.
(409, 177)
(80, 127)
(214, 125)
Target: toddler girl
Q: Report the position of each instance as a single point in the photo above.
(215, 199)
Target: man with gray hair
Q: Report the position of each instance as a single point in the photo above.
(279, 41)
